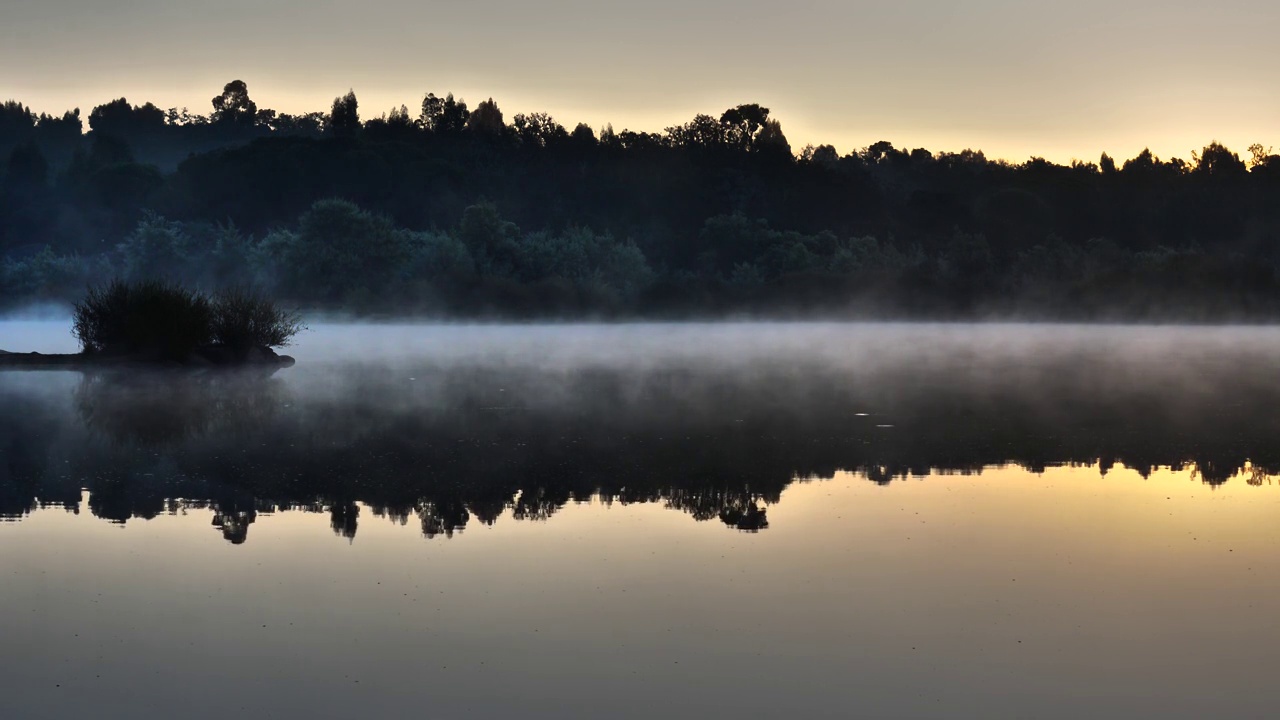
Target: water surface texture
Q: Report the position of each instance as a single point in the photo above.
(687, 520)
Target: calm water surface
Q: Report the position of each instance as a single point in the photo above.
(690, 520)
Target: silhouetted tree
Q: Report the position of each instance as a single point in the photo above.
(540, 130)
(703, 132)
(443, 115)
(486, 119)
(1107, 164)
(344, 117)
(121, 120)
(17, 125)
(394, 125)
(583, 135)
(742, 123)
(770, 140)
(234, 106)
(1218, 162)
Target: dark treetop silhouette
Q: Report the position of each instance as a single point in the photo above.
(453, 210)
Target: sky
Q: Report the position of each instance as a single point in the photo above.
(1014, 78)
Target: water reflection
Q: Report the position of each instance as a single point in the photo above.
(905, 568)
(447, 446)
(165, 410)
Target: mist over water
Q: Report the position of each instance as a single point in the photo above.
(716, 419)
(998, 520)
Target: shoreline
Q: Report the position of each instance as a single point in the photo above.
(264, 357)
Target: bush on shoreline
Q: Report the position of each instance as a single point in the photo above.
(154, 317)
(243, 318)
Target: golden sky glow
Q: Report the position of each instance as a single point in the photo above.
(1061, 80)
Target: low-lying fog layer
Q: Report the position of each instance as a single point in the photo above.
(727, 343)
(750, 404)
(711, 368)
(893, 367)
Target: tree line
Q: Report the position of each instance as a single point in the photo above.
(463, 211)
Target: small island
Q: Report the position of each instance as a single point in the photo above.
(156, 323)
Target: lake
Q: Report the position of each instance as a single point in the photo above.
(688, 520)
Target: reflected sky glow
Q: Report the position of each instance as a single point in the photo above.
(1003, 593)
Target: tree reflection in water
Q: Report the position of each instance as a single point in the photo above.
(465, 444)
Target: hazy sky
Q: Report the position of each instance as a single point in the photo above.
(1062, 79)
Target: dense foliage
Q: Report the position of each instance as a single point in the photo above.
(243, 319)
(151, 317)
(461, 211)
(170, 321)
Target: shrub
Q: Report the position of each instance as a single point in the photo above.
(154, 317)
(142, 317)
(243, 319)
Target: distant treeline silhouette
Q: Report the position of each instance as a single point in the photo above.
(454, 210)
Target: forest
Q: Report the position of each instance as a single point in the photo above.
(449, 210)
